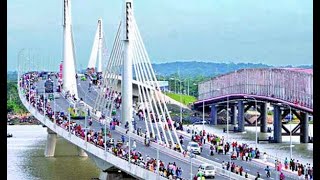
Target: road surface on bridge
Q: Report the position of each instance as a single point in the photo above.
(89, 98)
(62, 105)
(251, 167)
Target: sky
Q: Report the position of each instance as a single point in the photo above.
(265, 31)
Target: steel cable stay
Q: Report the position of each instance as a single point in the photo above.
(148, 62)
(148, 99)
(152, 94)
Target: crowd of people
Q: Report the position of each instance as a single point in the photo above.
(238, 151)
(171, 171)
(242, 151)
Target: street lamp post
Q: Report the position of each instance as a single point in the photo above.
(44, 104)
(191, 165)
(105, 133)
(54, 104)
(175, 86)
(188, 87)
(181, 103)
(255, 100)
(69, 117)
(202, 117)
(227, 119)
(158, 177)
(129, 147)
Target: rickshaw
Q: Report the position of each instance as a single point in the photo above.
(234, 155)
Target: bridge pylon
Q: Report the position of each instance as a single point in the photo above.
(98, 49)
(129, 65)
(69, 63)
(126, 85)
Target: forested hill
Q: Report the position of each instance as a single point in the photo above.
(207, 69)
(194, 68)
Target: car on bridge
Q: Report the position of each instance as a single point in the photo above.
(207, 170)
(194, 147)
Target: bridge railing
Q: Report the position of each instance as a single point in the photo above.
(72, 136)
(48, 121)
(296, 97)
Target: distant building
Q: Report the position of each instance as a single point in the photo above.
(164, 86)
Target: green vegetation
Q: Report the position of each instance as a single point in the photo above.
(176, 86)
(185, 99)
(14, 105)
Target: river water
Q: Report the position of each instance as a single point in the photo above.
(26, 161)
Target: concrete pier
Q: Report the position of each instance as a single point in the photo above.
(263, 120)
(82, 153)
(277, 124)
(304, 128)
(51, 143)
(240, 116)
(114, 175)
(233, 114)
(213, 114)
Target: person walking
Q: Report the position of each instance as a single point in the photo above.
(265, 157)
(134, 145)
(286, 163)
(246, 175)
(241, 170)
(258, 176)
(228, 165)
(282, 177)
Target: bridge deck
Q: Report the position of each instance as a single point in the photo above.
(250, 167)
(62, 105)
(89, 98)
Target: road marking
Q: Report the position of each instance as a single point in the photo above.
(216, 158)
(247, 169)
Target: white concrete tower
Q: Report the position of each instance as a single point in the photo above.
(97, 48)
(69, 68)
(126, 81)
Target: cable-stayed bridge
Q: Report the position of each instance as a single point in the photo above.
(127, 84)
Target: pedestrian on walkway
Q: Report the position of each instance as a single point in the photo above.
(265, 157)
(258, 176)
(233, 167)
(223, 164)
(241, 170)
(292, 165)
(134, 145)
(246, 175)
(247, 155)
(286, 163)
(282, 177)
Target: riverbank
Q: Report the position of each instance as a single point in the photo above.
(28, 119)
